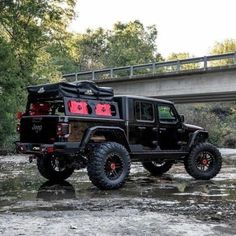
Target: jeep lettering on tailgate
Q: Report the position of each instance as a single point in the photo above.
(37, 128)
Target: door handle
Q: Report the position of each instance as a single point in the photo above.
(154, 128)
(141, 127)
(162, 129)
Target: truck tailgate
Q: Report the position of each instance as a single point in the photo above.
(38, 129)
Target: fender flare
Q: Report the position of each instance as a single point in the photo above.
(199, 133)
(90, 131)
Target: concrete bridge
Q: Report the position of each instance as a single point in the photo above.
(202, 79)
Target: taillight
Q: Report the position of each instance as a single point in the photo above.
(19, 115)
(18, 128)
(63, 130)
(50, 149)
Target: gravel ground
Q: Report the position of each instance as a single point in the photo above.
(174, 204)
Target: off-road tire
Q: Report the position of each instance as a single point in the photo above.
(156, 170)
(192, 161)
(99, 161)
(46, 169)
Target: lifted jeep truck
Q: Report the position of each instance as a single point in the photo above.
(68, 126)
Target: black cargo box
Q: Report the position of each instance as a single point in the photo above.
(80, 89)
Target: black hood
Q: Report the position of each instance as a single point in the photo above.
(192, 127)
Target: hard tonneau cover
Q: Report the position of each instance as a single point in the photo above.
(80, 89)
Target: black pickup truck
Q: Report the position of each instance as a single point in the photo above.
(68, 126)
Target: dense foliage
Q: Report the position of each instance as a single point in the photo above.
(125, 44)
(35, 47)
(26, 27)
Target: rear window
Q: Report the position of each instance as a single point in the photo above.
(46, 108)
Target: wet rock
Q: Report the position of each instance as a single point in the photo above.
(158, 205)
(73, 227)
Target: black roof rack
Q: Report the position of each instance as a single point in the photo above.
(80, 89)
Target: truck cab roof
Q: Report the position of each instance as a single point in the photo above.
(144, 98)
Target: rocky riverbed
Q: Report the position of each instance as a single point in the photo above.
(174, 204)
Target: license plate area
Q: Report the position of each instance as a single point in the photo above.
(36, 148)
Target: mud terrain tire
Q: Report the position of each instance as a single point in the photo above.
(204, 161)
(157, 169)
(46, 167)
(108, 165)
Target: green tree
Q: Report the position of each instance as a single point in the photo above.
(126, 44)
(90, 49)
(130, 44)
(227, 46)
(27, 27)
(10, 95)
(181, 56)
(62, 55)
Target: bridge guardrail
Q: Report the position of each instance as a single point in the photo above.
(198, 63)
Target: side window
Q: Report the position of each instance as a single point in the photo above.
(144, 111)
(166, 114)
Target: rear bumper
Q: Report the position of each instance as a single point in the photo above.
(39, 148)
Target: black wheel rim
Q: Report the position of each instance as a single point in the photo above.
(204, 161)
(113, 166)
(57, 165)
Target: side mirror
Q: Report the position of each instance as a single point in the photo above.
(182, 118)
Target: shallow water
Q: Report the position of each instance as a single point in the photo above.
(174, 204)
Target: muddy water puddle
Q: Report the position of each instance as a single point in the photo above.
(24, 191)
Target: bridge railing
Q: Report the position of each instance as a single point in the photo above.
(191, 64)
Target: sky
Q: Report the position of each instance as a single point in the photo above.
(183, 25)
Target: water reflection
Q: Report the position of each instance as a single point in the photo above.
(20, 188)
(50, 191)
(168, 188)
